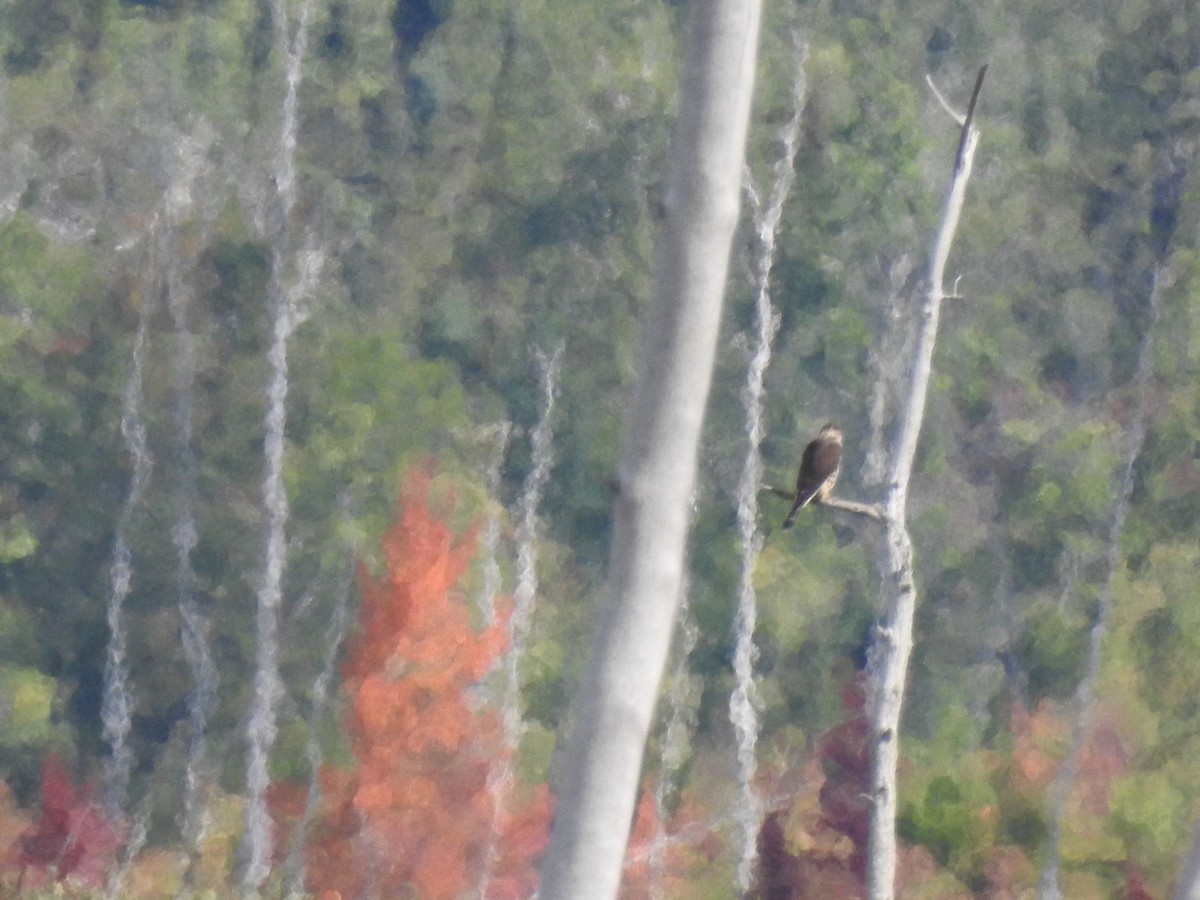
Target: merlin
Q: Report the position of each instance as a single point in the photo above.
(819, 469)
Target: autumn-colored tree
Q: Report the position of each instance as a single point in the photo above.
(665, 855)
(817, 847)
(1039, 737)
(73, 840)
(417, 816)
(830, 823)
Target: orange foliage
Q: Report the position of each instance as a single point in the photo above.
(662, 857)
(1039, 741)
(415, 817)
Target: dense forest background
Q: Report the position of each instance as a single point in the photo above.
(472, 186)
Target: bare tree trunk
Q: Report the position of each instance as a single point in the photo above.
(744, 701)
(888, 658)
(615, 703)
(1188, 887)
(1085, 693)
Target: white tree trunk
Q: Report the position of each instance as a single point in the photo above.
(615, 704)
(888, 659)
(1188, 887)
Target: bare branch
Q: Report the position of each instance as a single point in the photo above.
(871, 510)
(782, 493)
(964, 121)
(950, 110)
(967, 129)
(889, 655)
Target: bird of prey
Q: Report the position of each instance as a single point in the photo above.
(819, 469)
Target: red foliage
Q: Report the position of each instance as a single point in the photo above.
(845, 751)
(73, 839)
(817, 870)
(1135, 884)
(828, 856)
(1009, 873)
(1103, 759)
(817, 847)
(416, 816)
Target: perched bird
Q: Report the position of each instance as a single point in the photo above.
(819, 469)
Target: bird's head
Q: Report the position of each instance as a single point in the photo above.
(832, 433)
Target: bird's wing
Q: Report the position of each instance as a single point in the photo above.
(815, 469)
(808, 482)
(819, 467)
(827, 463)
(805, 493)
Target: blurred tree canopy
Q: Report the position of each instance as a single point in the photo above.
(485, 177)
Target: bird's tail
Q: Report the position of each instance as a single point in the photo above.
(802, 500)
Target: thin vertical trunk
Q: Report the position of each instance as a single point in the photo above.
(889, 655)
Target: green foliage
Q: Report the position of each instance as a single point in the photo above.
(41, 282)
(27, 697)
(949, 820)
(949, 801)
(16, 541)
(491, 186)
(814, 611)
(370, 409)
(1149, 813)
(1158, 646)
(1051, 648)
